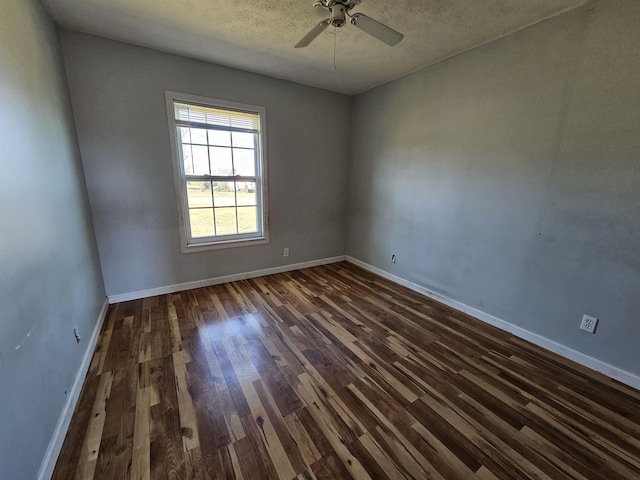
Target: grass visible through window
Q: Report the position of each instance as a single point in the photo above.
(202, 215)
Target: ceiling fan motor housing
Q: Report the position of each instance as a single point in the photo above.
(329, 4)
(338, 9)
(338, 13)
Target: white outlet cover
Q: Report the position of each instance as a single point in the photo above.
(589, 324)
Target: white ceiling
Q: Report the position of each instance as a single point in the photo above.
(259, 35)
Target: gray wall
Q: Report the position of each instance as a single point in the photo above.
(117, 92)
(508, 178)
(49, 276)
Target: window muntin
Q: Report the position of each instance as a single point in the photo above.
(219, 165)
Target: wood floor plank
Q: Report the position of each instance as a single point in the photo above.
(72, 451)
(141, 462)
(96, 425)
(333, 372)
(271, 433)
(166, 450)
(188, 421)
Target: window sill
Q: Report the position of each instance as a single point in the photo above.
(203, 247)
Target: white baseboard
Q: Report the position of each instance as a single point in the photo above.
(611, 371)
(55, 445)
(125, 297)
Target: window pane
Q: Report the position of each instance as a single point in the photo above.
(221, 161)
(187, 159)
(227, 118)
(226, 221)
(244, 162)
(242, 139)
(246, 194)
(247, 219)
(199, 136)
(201, 222)
(200, 160)
(219, 138)
(199, 194)
(223, 194)
(181, 111)
(184, 135)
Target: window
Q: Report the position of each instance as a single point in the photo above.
(219, 163)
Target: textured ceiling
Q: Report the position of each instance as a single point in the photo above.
(259, 35)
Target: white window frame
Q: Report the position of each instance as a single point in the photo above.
(188, 242)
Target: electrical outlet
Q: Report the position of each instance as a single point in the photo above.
(286, 252)
(589, 324)
(76, 333)
(393, 258)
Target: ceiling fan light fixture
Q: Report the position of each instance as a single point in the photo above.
(376, 29)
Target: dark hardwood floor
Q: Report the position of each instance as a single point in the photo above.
(330, 373)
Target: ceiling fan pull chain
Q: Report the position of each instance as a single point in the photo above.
(335, 41)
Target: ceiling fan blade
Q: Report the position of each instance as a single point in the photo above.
(376, 29)
(315, 31)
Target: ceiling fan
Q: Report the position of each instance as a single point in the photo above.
(339, 12)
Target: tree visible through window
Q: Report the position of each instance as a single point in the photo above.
(219, 164)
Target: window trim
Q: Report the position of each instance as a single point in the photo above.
(187, 243)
